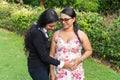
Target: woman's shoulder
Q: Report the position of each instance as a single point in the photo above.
(80, 32)
(35, 32)
(56, 32)
(82, 35)
(56, 35)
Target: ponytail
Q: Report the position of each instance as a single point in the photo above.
(76, 31)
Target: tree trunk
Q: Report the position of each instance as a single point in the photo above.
(21, 2)
(41, 3)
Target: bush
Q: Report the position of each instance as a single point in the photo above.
(105, 40)
(116, 22)
(88, 5)
(22, 20)
(5, 13)
(16, 18)
(108, 6)
(93, 25)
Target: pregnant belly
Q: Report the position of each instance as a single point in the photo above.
(67, 57)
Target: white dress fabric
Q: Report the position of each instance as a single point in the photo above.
(67, 51)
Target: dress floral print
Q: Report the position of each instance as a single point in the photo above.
(67, 51)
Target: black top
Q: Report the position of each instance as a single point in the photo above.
(39, 50)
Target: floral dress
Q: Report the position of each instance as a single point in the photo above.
(67, 51)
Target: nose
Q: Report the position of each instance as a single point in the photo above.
(63, 21)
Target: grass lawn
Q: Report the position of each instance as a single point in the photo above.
(12, 58)
(13, 61)
(95, 71)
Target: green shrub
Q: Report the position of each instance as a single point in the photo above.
(115, 38)
(91, 6)
(22, 20)
(92, 24)
(105, 40)
(16, 18)
(108, 6)
(116, 22)
(88, 5)
(5, 13)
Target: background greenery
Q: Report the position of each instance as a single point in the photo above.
(101, 6)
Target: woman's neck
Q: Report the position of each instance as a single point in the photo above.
(68, 29)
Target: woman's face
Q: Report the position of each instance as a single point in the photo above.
(50, 26)
(66, 21)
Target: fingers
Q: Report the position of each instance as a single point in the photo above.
(77, 61)
(56, 78)
(74, 64)
(68, 65)
(71, 65)
(52, 77)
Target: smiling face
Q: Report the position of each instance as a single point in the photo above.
(66, 21)
(50, 26)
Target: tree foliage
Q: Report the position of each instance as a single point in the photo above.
(102, 6)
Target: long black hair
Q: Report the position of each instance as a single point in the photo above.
(70, 12)
(46, 17)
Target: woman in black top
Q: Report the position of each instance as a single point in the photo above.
(37, 46)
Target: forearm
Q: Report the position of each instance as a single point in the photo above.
(80, 59)
(86, 55)
(52, 74)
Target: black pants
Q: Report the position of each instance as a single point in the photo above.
(39, 74)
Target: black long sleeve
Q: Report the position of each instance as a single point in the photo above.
(39, 49)
(40, 45)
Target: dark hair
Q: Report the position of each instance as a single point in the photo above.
(70, 12)
(46, 17)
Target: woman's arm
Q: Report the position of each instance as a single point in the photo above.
(52, 53)
(86, 46)
(39, 44)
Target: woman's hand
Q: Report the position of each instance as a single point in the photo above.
(68, 65)
(76, 62)
(52, 77)
(52, 74)
(72, 65)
